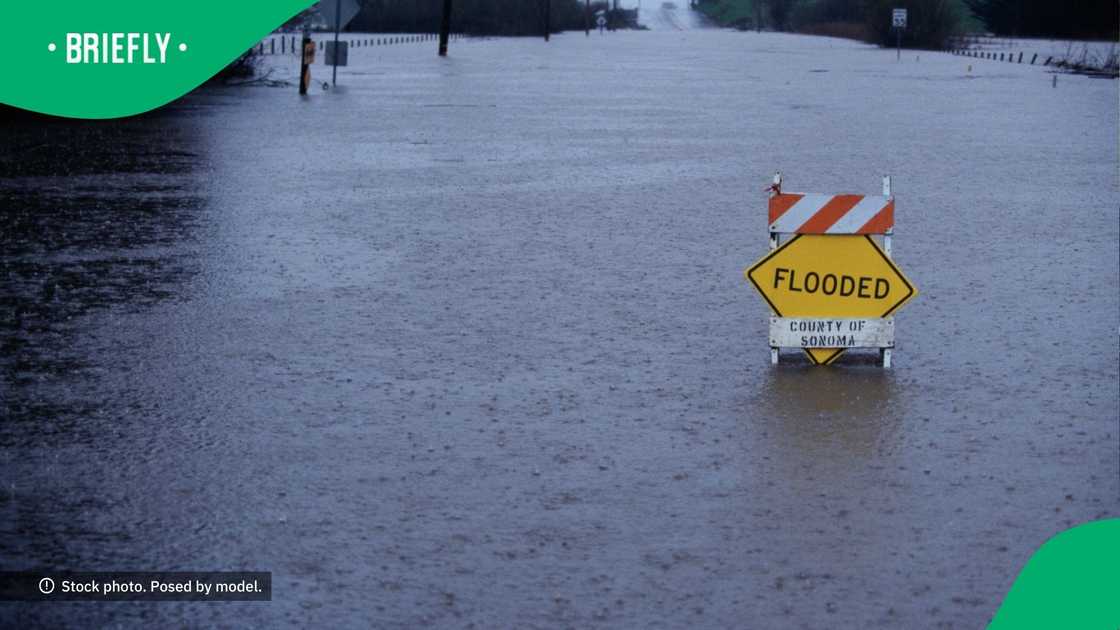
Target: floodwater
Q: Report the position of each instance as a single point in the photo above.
(465, 342)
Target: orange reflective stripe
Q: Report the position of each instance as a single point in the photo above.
(780, 203)
(881, 222)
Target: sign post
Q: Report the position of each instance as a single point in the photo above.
(337, 28)
(339, 13)
(831, 286)
(898, 21)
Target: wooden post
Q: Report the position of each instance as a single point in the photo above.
(547, 18)
(1033, 58)
(775, 188)
(887, 194)
(587, 18)
(444, 28)
(306, 59)
(337, 28)
(885, 353)
(1020, 56)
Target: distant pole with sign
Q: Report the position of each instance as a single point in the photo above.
(444, 28)
(339, 12)
(898, 21)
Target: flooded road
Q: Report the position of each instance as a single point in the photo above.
(668, 16)
(466, 342)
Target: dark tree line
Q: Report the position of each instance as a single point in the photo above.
(932, 22)
(929, 24)
(1084, 19)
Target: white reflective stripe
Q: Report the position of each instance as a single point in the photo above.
(801, 212)
(859, 215)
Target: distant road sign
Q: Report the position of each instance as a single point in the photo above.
(898, 18)
(344, 9)
(830, 277)
(601, 21)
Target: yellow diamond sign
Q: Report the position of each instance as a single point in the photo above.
(817, 275)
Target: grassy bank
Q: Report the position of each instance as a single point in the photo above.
(734, 13)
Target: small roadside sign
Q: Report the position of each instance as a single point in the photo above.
(336, 54)
(601, 21)
(898, 18)
(836, 280)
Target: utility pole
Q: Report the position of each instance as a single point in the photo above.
(444, 28)
(587, 18)
(547, 18)
(337, 28)
(306, 58)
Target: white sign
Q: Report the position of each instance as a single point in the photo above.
(831, 332)
(601, 21)
(898, 19)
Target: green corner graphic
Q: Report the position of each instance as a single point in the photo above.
(196, 40)
(1072, 582)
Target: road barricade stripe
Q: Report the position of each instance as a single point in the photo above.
(806, 213)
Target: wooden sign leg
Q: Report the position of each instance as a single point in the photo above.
(774, 243)
(885, 353)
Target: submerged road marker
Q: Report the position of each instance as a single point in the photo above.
(831, 286)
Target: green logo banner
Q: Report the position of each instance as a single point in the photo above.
(89, 59)
(1072, 581)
